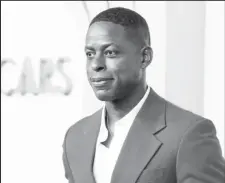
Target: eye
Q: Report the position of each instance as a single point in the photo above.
(89, 54)
(110, 53)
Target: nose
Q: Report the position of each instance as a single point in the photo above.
(98, 64)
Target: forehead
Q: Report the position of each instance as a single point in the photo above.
(106, 32)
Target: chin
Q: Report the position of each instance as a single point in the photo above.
(104, 95)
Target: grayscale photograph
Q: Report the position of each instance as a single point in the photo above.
(112, 92)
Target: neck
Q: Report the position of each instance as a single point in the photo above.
(119, 108)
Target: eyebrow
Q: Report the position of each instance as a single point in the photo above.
(102, 47)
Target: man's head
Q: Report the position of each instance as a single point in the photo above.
(118, 52)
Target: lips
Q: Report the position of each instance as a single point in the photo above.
(100, 79)
(101, 83)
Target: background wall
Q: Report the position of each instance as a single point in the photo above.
(187, 69)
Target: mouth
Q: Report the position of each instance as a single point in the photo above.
(100, 79)
(101, 82)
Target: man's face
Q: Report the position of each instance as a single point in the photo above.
(113, 61)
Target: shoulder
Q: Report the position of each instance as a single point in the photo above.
(192, 139)
(187, 130)
(83, 124)
(183, 118)
(174, 112)
(184, 124)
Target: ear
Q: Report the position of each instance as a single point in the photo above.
(147, 55)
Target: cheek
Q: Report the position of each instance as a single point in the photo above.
(125, 63)
(125, 71)
(88, 69)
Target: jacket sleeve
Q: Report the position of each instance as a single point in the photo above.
(199, 158)
(67, 170)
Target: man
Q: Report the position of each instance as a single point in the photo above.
(137, 136)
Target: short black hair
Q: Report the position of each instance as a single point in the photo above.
(129, 19)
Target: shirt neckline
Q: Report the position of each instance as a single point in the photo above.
(125, 121)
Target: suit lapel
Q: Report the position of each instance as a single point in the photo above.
(141, 143)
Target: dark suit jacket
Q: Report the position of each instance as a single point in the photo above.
(165, 144)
